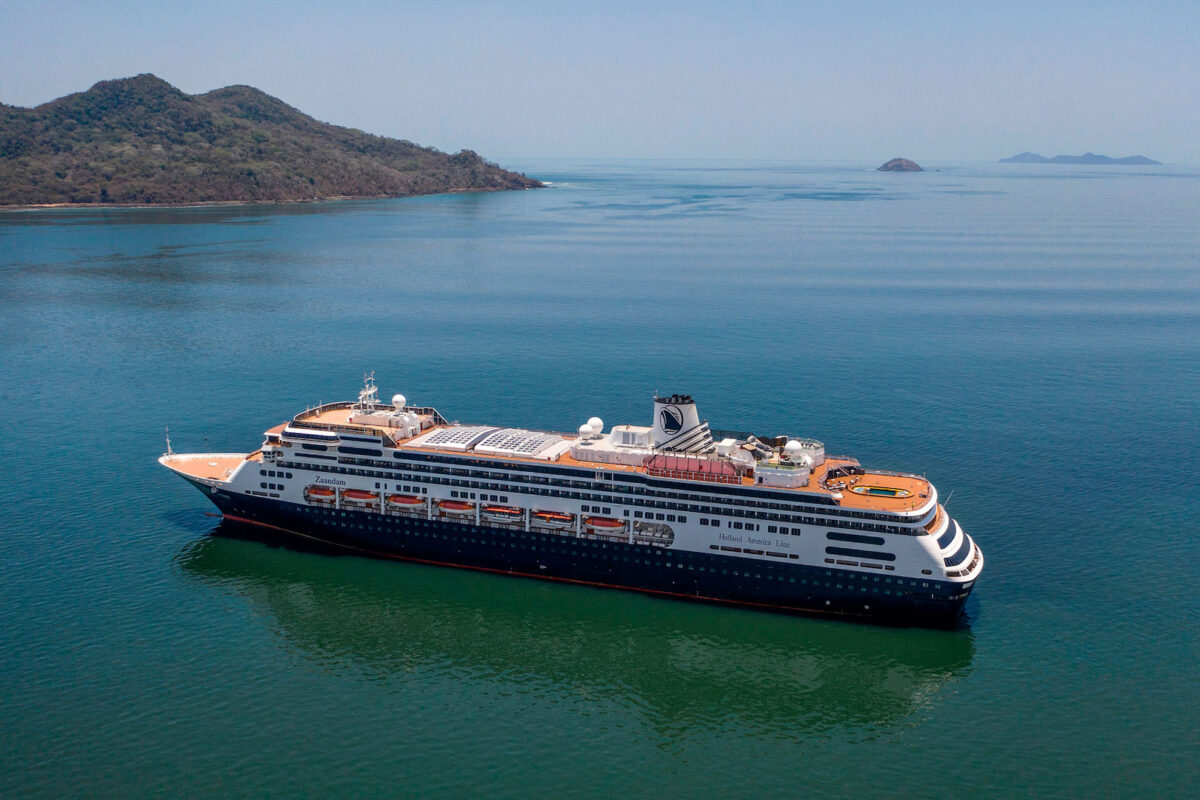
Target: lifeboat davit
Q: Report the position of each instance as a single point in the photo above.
(604, 523)
(456, 506)
(359, 494)
(405, 500)
(503, 513)
(553, 519)
(320, 492)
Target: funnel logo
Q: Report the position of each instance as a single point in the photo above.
(671, 419)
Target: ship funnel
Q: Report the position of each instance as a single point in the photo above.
(677, 426)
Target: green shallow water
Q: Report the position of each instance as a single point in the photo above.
(1026, 337)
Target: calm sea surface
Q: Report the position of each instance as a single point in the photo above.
(1029, 337)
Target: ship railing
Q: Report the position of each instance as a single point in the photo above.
(306, 416)
(718, 434)
(895, 474)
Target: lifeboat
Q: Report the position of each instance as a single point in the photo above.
(405, 500)
(502, 513)
(603, 523)
(456, 506)
(360, 495)
(319, 493)
(553, 519)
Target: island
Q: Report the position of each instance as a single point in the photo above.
(141, 141)
(1086, 158)
(900, 165)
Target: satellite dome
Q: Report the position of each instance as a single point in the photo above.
(398, 400)
(585, 431)
(596, 424)
(792, 447)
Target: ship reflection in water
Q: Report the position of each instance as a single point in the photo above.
(682, 664)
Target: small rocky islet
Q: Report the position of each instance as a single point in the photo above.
(900, 165)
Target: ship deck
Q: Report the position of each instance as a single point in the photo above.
(918, 488)
(207, 466)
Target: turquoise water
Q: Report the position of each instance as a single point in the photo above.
(1026, 336)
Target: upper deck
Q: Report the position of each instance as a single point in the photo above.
(838, 477)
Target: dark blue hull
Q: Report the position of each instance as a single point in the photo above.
(787, 587)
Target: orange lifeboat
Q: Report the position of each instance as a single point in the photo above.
(319, 493)
(603, 523)
(405, 500)
(360, 495)
(503, 513)
(553, 519)
(456, 506)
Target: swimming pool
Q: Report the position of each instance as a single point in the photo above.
(881, 491)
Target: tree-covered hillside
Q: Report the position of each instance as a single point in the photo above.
(140, 140)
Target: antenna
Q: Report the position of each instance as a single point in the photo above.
(170, 452)
(946, 502)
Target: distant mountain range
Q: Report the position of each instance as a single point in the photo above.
(142, 141)
(1086, 158)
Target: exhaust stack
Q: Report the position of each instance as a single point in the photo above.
(677, 426)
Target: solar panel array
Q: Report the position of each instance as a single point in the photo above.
(458, 438)
(516, 442)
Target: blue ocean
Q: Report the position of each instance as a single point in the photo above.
(1027, 336)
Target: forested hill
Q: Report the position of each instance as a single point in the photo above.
(140, 140)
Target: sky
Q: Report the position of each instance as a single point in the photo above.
(937, 82)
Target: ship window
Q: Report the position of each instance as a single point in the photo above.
(963, 550)
(946, 538)
(683, 519)
(360, 451)
(854, 537)
(262, 486)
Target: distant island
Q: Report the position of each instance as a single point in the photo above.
(1086, 158)
(900, 165)
(141, 141)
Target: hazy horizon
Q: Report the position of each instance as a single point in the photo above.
(865, 81)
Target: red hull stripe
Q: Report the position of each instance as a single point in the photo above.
(576, 581)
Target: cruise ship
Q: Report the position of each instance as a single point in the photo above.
(674, 508)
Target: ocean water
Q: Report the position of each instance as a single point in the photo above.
(1027, 336)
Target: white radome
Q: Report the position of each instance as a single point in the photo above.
(596, 424)
(398, 400)
(585, 431)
